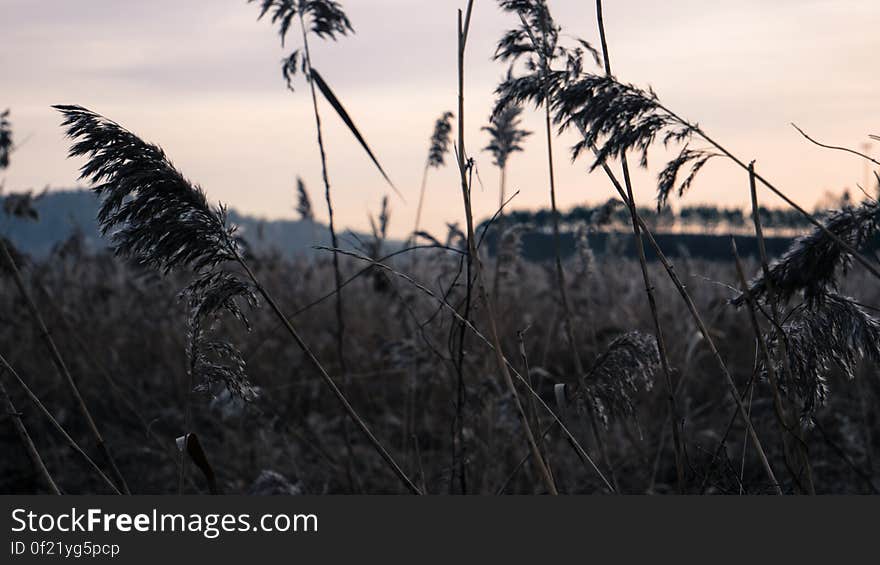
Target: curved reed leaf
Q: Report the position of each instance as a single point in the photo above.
(343, 114)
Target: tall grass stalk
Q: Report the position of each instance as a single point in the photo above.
(325, 176)
(463, 29)
(572, 440)
(541, 47)
(60, 365)
(764, 350)
(4, 364)
(787, 421)
(703, 329)
(649, 287)
(506, 137)
(26, 440)
(164, 221)
(436, 158)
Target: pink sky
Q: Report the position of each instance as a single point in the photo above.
(202, 79)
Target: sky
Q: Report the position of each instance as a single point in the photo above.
(202, 79)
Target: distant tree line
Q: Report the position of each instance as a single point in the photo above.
(613, 216)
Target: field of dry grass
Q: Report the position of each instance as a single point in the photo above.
(114, 324)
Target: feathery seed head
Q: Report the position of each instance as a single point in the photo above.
(813, 262)
(837, 333)
(153, 213)
(506, 135)
(304, 203)
(159, 218)
(440, 141)
(626, 368)
(6, 144)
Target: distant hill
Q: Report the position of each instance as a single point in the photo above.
(63, 211)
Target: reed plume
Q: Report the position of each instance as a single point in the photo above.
(303, 202)
(6, 144)
(813, 262)
(162, 220)
(155, 216)
(836, 333)
(440, 140)
(506, 137)
(326, 20)
(626, 368)
(616, 118)
(437, 150)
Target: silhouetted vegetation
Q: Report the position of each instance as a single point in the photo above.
(170, 345)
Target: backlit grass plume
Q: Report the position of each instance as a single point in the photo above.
(215, 362)
(616, 118)
(506, 136)
(326, 18)
(440, 141)
(813, 262)
(303, 202)
(625, 369)
(159, 218)
(156, 217)
(547, 64)
(437, 151)
(150, 210)
(838, 334)
(5, 139)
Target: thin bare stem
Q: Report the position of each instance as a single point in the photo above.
(313, 360)
(774, 318)
(582, 454)
(649, 287)
(58, 361)
(463, 28)
(421, 198)
(835, 147)
(337, 272)
(70, 441)
(29, 446)
(704, 331)
(810, 217)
